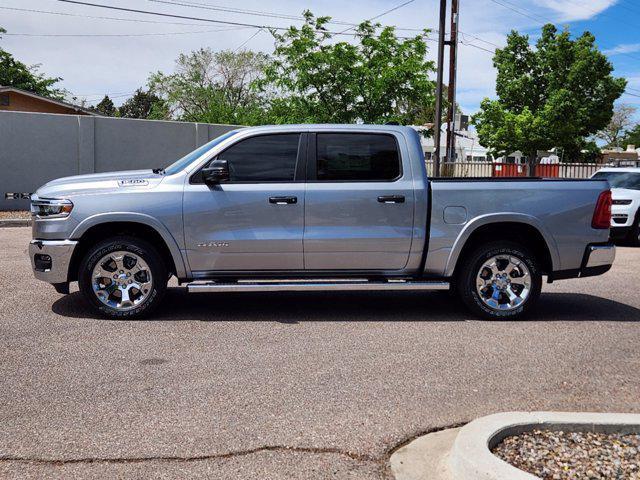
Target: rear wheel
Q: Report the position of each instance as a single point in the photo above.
(123, 277)
(499, 280)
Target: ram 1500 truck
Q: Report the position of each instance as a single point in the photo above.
(315, 207)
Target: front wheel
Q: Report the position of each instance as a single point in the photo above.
(123, 278)
(499, 280)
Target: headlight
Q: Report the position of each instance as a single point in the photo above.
(621, 202)
(51, 208)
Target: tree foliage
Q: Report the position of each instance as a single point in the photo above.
(14, 73)
(142, 104)
(214, 87)
(378, 79)
(556, 94)
(106, 107)
(632, 137)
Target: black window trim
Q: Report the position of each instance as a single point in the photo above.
(299, 171)
(312, 156)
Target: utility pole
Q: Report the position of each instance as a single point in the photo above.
(437, 124)
(451, 91)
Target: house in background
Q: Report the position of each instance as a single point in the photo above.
(17, 100)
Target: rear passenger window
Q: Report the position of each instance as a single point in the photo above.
(265, 158)
(357, 157)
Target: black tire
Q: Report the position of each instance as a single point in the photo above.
(139, 247)
(470, 268)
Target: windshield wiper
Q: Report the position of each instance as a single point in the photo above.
(158, 170)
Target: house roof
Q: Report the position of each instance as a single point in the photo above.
(48, 100)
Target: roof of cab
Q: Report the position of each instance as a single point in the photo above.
(330, 126)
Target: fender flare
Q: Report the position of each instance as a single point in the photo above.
(490, 218)
(141, 218)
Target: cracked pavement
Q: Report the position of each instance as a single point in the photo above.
(289, 385)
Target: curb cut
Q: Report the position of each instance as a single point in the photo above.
(15, 222)
(465, 453)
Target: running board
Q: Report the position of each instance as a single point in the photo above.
(312, 285)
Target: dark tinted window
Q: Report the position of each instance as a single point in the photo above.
(629, 180)
(357, 156)
(267, 158)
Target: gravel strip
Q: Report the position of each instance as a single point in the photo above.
(573, 455)
(15, 214)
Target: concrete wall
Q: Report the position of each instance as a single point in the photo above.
(37, 147)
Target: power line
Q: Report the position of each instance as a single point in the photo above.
(119, 34)
(517, 10)
(248, 40)
(186, 17)
(218, 8)
(67, 14)
(239, 24)
(383, 13)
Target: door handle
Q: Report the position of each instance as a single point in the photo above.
(391, 199)
(283, 200)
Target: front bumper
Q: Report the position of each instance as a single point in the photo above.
(50, 259)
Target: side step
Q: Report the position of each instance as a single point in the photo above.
(312, 285)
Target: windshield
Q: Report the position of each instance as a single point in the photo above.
(181, 164)
(629, 180)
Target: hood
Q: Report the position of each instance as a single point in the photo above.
(100, 183)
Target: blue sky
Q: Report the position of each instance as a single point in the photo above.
(94, 65)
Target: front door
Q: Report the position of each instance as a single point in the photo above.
(255, 220)
(359, 203)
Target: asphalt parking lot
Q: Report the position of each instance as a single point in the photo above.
(290, 385)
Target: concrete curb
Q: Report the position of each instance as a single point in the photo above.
(15, 222)
(471, 455)
(465, 453)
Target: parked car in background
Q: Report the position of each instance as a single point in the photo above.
(625, 209)
(316, 207)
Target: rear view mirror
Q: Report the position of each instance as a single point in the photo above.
(216, 172)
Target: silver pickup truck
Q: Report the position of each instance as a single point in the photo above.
(315, 207)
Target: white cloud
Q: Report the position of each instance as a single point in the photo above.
(572, 10)
(623, 48)
(121, 64)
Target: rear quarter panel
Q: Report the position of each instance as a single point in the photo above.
(561, 210)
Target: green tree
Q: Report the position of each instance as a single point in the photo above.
(142, 104)
(556, 94)
(106, 107)
(14, 73)
(632, 137)
(214, 87)
(378, 79)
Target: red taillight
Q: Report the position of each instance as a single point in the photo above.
(602, 215)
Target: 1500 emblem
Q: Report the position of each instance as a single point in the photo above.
(213, 244)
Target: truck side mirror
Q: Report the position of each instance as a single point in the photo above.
(216, 172)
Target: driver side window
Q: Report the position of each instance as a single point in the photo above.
(264, 158)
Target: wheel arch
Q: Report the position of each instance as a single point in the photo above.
(102, 226)
(523, 229)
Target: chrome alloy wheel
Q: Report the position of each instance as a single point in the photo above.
(503, 282)
(121, 280)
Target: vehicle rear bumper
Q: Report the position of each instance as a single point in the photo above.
(50, 259)
(620, 232)
(597, 259)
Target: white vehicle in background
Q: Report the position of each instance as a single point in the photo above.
(625, 210)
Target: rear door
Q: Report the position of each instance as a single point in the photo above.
(255, 220)
(359, 202)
